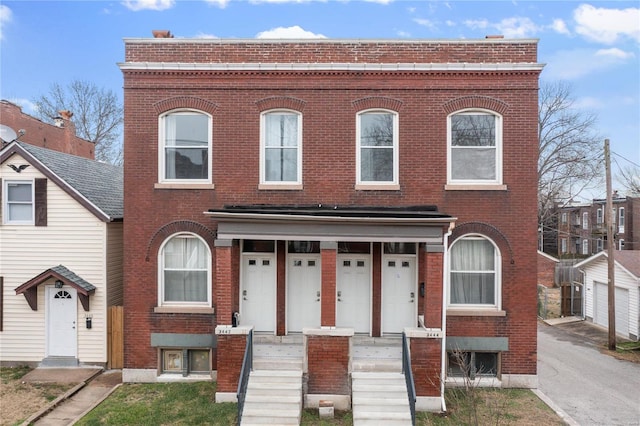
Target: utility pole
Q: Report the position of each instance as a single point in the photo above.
(611, 288)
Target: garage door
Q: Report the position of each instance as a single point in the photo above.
(601, 308)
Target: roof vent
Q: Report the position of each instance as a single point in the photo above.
(162, 34)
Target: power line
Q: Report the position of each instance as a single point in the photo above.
(625, 159)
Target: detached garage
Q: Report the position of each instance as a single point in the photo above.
(627, 293)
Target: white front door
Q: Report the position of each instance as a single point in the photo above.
(303, 297)
(353, 292)
(258, 291)
(62, 314)
(399, 298)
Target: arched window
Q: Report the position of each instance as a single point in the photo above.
(377, 148)
(185, 271)
(185, 147)
(474, 268)
(475, 147)
(281, 147)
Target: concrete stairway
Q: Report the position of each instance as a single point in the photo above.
(273, 397)
(379, 398)
(380, 354)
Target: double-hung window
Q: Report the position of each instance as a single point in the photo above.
(377, 148)
(185, 147)
(474, 273)
(475, 148)
(18, 202)
(281, 148)
(185, 271)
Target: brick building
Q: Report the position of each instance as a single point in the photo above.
(334, 189)
(60, 136)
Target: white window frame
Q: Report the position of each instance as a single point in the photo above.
(370, 184)
(498, 148)
(563, 243)
(585, 246)
(264, 183)
(563, 217)
(621, 219)
(161, 268)
(162, 148)
(497, 306)
(6, 203)
(585, 220)
(599, 218)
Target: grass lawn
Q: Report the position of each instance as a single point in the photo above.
(193, 403)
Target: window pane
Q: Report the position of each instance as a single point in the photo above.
(281, 129)
(486, 363)
(186, 163)
(473, 163)
(472, 254)
(20, 212)
(185, 270)
(199, 361)
(473, 288)
(259, 246)
(376, 164)
(19, 192)
(185, 286)
(187, 129)
(473, 272)
(376, 129)
(473, 130)
(281, 164)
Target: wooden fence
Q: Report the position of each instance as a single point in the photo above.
(115, 337)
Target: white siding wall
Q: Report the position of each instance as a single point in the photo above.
(597, 271)
(74, 238)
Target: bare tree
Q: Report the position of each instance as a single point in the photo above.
(97, 115)
(570, 150)
(630, 178)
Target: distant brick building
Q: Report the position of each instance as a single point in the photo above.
(59, 137)
(335, 189)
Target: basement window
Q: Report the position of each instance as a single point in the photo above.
(472, 364)
(186, 361)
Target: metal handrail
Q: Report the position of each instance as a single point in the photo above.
(408, 378)
(243, 381)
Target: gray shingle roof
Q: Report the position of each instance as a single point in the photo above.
(100, 183)
(71, 276)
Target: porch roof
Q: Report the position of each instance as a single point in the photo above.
(62, 273)
(332, 222)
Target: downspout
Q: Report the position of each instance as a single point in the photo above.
(445, 284)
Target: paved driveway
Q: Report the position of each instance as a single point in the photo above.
(591, 387)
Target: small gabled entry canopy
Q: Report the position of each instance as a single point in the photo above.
(30, 288)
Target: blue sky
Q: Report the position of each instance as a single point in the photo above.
(594, 46)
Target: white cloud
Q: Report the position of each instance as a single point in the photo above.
(403, 34)
(5, 17)
(607, 25)
(219, 3)
(379, 1)
(158, 5)
(573, 64)
(425, 23)
(614, 52)
(204, 35)
(476, 24)
(28, 107)
(288, 32)
(516, 27)
(560, 27)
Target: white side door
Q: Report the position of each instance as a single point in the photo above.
(353, 292)
(303, 294)
(258, 291)
(62, 314)
(399, 298)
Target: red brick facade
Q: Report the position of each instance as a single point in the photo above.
(329, 83)
(46, 135)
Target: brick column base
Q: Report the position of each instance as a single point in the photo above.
(327, 366)
(232, 343)
(426, 366)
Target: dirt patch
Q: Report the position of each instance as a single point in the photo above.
(20, 399)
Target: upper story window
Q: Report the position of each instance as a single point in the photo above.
(599, 216)
(377, 148)
(185, 147)
(18, 202)
(281, 148)
(185, 271)
(621, 220)
(585, 220)
(563, 218)
(474, 273)
(475, 148)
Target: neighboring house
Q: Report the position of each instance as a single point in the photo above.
(332, 189)
(627, 291)
(582, 231)
(60, 256)
(60, 136)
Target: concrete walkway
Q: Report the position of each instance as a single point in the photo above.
(93, 386)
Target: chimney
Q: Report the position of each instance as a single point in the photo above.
(65, 114)
(58, 122)
(162, 34)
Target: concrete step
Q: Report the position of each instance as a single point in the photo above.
(372, 365)
(387, 422)
(290, 399)
(275, 386)
(273, 397)
(371, 387)
(259, 420)
(274, 363)
(274, 376)
(380, 416)
(379, 398)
